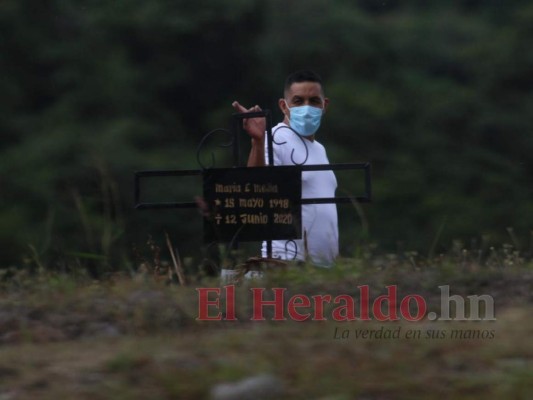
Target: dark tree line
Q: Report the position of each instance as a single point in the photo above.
(437, 95)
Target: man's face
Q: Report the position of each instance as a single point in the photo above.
(303, 94)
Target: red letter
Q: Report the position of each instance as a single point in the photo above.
(259, 303)
(420, 304)
(349, 309)
(319, 306)
(298, 300)
(204, 303)
(390, 297)
(230, 303)
(364, 303)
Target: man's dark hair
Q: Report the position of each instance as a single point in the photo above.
(304, 75)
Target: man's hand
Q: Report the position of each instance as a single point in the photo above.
(255, 127)
(203, 207)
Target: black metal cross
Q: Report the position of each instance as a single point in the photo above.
(251, 204)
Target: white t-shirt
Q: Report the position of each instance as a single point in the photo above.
(319, 221)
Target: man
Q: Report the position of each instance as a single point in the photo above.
(303, 106)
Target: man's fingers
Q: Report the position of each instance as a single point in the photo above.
(238, 107)
(202, 205)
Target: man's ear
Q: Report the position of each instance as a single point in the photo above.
(326, 104)
(283, 107)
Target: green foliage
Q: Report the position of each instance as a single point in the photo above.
(435, 94)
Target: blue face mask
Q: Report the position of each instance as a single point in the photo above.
(305, 119)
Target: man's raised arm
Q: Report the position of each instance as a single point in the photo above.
(255, 127)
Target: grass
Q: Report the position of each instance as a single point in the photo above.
(312, 364)
(64, 336)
